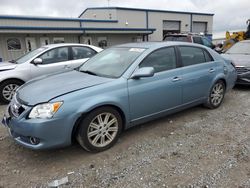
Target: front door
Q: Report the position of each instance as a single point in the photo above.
(30, 43)
(54, 60)
(162, 92)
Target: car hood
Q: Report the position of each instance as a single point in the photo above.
(7, 66)
(238, 59)
(46, 88)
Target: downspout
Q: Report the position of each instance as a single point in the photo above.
(191, 22)
(79, 36)
(147, 24)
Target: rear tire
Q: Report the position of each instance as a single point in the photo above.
(216, 95)
(8, 89)
(100, 129)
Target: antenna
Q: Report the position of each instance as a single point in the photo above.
(108, 2)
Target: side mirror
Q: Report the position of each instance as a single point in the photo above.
(37, 61)
(143, 72)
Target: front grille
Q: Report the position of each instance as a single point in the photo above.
(16, 108)
(241, 70)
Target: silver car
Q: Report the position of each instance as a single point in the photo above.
(45, 60)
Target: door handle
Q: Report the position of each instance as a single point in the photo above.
(175, 79)
(211, 70)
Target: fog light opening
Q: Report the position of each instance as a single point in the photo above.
(34, 141)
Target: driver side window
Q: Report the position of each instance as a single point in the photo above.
(55, 55)
(161, 60)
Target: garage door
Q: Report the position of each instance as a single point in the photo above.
(171, 25)
(199, 27)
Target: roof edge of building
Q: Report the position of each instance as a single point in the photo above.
(149, 10)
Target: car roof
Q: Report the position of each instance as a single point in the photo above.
(183, 34)
(50, 46)
(152, 45)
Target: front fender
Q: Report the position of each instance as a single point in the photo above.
(105, 101)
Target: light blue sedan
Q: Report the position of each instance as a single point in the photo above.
(118, 88)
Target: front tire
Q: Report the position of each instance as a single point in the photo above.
(216, 95)
(100, 129)
(8, 89)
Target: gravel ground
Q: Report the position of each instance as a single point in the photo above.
(194, 148)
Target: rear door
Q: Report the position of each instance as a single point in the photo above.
(198, 72)
(80, 54)
(149, 96)
(53, 60)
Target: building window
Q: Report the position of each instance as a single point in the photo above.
(57, 40)
(102, 42)
(170, 26)
(14, 44)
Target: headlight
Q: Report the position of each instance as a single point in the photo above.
(46, 110)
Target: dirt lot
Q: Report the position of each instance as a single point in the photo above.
(194, 148)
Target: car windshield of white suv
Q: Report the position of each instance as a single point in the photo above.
(28, 55)
(112, 62)
(240, 48)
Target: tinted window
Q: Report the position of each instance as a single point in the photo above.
(161, 60)
(207, 43)
(191, 55)
(82, 52)
(55, 55)
(207, 56)
(197, 40)
(177, 38)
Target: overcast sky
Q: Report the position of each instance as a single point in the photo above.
(229, 14)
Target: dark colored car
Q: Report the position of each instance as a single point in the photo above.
(240, 55)
(193, 38)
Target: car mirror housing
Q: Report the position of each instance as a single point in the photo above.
(37, 61)
(143, 72)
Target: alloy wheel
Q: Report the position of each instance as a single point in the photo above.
(9, 91)
(217, 94)
(102, 129)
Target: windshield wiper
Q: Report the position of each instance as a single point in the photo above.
(89, 72)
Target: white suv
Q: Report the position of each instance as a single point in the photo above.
(45, 60)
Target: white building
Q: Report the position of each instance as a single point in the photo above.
(102, 26)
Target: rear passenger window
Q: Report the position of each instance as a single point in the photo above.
(162, 60)
(207, 56)
(191, 55)
(197, 40)
(79, 52)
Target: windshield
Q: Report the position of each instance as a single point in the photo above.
(29, 55)
(240, 48)
(112, 62)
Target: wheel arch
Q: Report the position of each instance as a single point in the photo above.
(83, 114)
(222, 78)
(8, 79)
